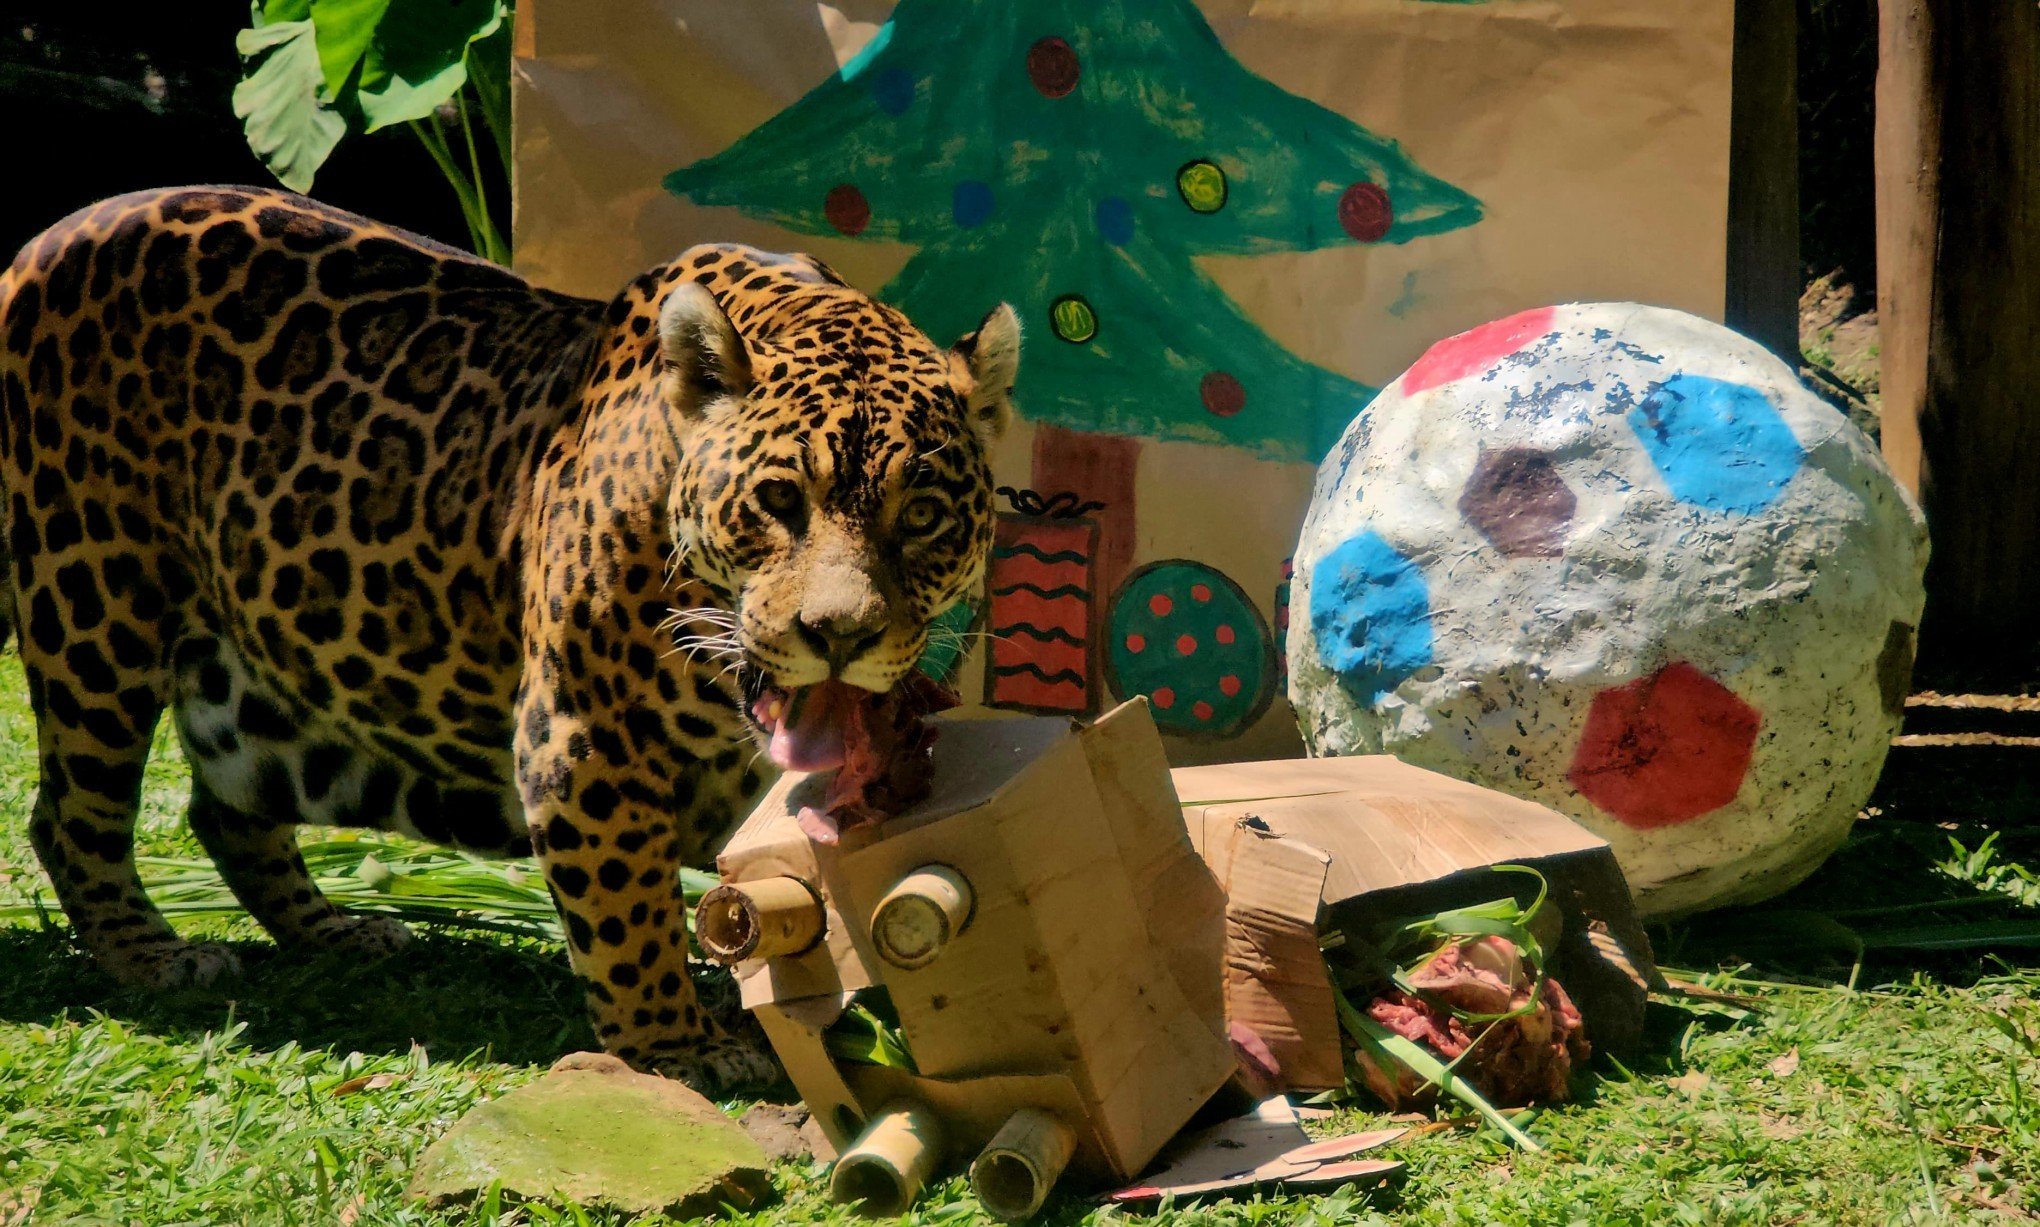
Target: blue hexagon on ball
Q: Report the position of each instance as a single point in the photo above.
(1719, 444)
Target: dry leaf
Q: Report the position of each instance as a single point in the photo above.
(352, 1210)
(16, 1205)
(367, 1082)
(1785, 1066)
(1692, 1084)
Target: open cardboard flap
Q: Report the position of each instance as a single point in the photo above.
(1294, 843)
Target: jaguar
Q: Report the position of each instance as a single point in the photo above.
(400, 540)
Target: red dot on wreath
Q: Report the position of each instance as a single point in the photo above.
(1229, 685)
(1160, 605)
(1163, 697)
(1201, 710)
(1222, 394)
(1136, 643)
(1200, 592)
(1186, 644)
(1225, 635)
(1364, 212)
(1052, 66)
(847, 209)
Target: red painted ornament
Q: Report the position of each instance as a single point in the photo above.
(1163, 697)
(1222, 394)
(1364, 212)
(1186, 645)
(1052, 66)
(1136, 643)
(1159, 604)
(846, 209)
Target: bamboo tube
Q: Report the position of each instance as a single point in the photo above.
(882, 1172)
(758, 920)
(920, 915)
(1013, 1174)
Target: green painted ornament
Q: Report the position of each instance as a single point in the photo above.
(1190, 639)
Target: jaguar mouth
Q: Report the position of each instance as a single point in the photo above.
(810, 728)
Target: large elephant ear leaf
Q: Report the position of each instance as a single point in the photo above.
(418, 57)
(278, 99)
(347, 28)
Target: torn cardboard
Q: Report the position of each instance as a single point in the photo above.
(1298, 845)
(1265, 1146)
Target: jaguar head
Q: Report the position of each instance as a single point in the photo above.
(834, 490)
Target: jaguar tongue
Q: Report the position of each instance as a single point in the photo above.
(811, 732)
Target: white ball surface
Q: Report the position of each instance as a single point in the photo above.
(1618, 560)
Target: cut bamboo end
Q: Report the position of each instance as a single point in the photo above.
(1013, 1174)
(920, 915)
(883, 1171)
(758, 920)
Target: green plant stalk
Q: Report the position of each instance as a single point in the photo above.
(482, 233)
(1385, 1045)
(499, 251)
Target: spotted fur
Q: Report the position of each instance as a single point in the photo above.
(402, 541)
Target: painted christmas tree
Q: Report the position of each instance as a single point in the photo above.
(1072, 157)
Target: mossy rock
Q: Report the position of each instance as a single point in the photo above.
(595, 1132)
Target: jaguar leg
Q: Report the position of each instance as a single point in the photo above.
(258, 857)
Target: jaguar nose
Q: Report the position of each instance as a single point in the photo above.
(840, 640)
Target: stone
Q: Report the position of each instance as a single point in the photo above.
(594, 1132)
(780, 1129)
(1617, 560)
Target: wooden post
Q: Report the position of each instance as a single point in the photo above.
(1958, 299)
(1763, 178)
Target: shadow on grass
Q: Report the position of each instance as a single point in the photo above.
(1910, 894)
(513, 1002)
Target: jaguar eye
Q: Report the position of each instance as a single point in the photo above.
(780, 497)
(921, 516)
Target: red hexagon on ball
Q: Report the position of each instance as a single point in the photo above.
(1665, 749)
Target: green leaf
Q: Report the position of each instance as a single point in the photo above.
(270, 12)
(860, 1035)
(278, 101)
(418, 58)
(346, 27)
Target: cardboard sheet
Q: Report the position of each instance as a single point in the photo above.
(1265, 1146)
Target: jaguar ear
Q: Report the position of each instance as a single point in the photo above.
(705, 358)
(992, 354)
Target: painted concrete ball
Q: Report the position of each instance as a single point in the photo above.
(1616, 559)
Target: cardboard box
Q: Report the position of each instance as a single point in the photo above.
(1299, 845)
(1081, 978)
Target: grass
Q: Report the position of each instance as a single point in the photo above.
(1915, 1098)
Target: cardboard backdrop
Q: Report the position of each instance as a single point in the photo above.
(1224, 224)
